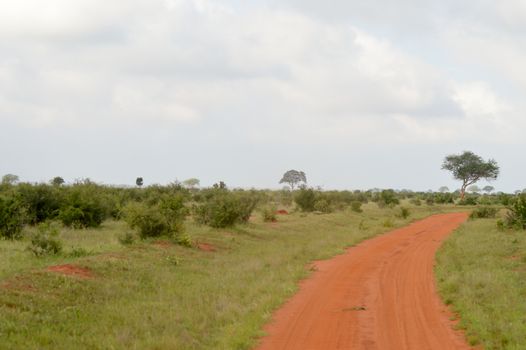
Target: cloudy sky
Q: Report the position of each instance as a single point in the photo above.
(358, 94)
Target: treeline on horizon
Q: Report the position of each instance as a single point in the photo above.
(161, 210)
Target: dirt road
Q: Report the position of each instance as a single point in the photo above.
(380, 294)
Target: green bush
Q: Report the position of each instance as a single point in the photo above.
(387, 198)
(83, 207)
(323, 206)
(41, 201)
(483, 212)
(468, 200)
(12, 217)
(516, 217)
(127, 238)
(356, 206)
(45, 241)
(305, 198)
(269, 214)
(163, 219)
(416, 201)
(403, 213)
(222, 208)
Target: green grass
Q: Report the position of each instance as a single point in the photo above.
(481, 271)
(148, 296)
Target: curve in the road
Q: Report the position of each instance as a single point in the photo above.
(380, 294)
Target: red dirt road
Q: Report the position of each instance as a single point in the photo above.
(380, 294)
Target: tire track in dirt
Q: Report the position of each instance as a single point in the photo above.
(380, 294)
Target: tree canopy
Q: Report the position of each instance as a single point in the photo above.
(293, 177)
(470, 168)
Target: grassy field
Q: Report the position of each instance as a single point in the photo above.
(156, 295)
(481, 271)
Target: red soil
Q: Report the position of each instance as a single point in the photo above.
(72, 270)
(282, 212)
(163, 244)
(381, 294)
(207, 247)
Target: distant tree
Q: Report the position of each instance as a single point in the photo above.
(473, 189)
(191, 183)
(470, 168)
(443, 189)
(10, 179)
(488, 189)
(293, 177)
(139, 181)
(57, 181)
(220, 185)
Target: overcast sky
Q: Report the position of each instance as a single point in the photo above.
(357, 94)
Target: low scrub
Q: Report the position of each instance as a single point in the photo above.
(322, 206)
(305, 199)
(45, 241)
(83, 207)
(12, 218)
(403, 213)
(356, 206)
(483, 212)
(516, 217)
(269, 214)
(165, 218)
(223, 208)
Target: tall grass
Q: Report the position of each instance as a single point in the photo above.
(481, 272)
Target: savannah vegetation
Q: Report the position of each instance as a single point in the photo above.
(179, 266)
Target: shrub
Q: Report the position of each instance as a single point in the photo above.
(483, 212)
(305, 198)
(12, 217)
(468, 200)
(163, 219)
(269, 214)
(45, 241)
(416, 201)
(127, 238)
(387, 198)
(516, 217)
(323, 206)
(356, 206)
(403, 213)
(41, 201)
(83, 207)
(222, 208)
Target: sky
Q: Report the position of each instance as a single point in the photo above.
(357, 94)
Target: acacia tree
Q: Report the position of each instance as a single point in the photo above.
(443, 189)
(57, 181)
(470, 168)
(191, 183)
(488, 189)
(293, 177)
(10, 179)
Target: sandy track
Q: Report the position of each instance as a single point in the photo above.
(379, 295)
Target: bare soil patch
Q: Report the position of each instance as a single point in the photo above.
(206, 247)
(72, 270)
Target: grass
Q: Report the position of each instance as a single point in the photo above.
(153, 296)
(481, 272)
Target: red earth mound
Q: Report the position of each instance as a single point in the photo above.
(282, 212)
(206, 247)
(163, 244)
(71, 270)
